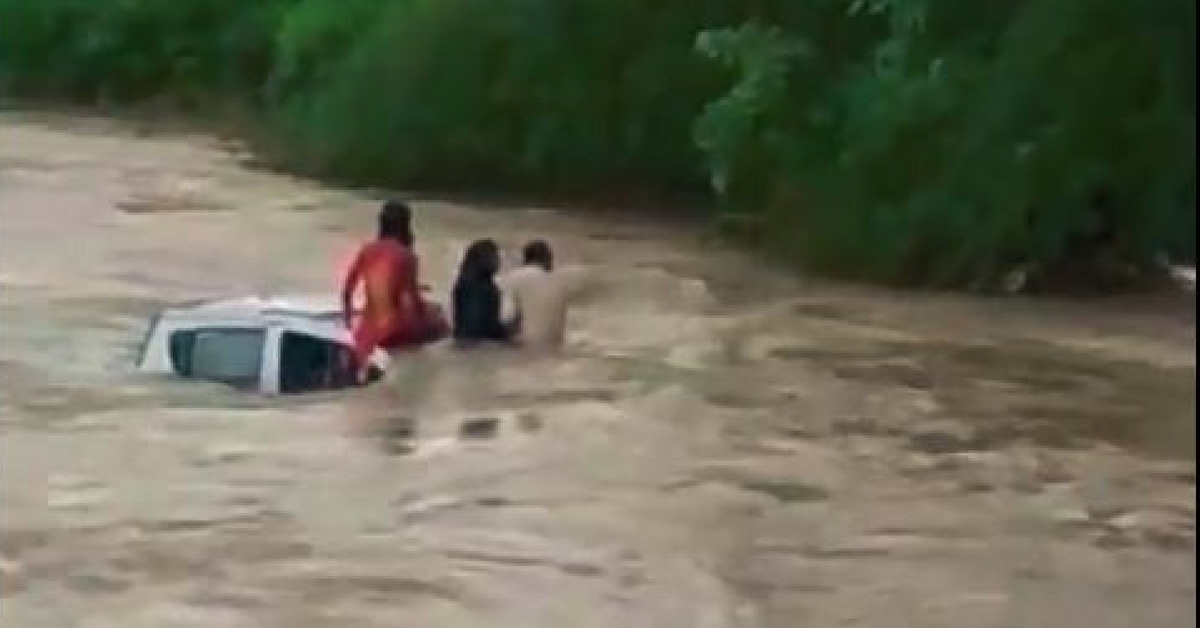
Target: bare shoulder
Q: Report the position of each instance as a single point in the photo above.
(511, 278)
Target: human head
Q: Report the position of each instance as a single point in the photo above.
(537, 253)
(482, 260)
(395, 221)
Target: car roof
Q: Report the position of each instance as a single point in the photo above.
(308, 305)
(316, 315)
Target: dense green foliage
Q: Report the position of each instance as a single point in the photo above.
(917, 141)
(962, 139)
(121, 50)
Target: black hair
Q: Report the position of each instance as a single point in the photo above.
(395, 221)
(481, 260)
(538, 253)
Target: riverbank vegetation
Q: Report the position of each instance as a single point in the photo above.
(903, 141)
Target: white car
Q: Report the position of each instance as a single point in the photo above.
(274, 346)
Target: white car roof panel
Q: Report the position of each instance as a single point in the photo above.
(313, 305)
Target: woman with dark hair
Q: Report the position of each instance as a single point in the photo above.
(395, 315)
(477, 298)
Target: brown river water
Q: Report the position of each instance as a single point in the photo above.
(720, 444)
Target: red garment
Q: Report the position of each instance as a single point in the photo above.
(433, 328)
(390, 317)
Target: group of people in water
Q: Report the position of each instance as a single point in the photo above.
(527, 306)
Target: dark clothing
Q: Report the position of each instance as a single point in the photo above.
(477, 311)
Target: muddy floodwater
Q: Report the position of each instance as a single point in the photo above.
(718, 445)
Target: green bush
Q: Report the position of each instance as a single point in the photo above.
(552, 95)
(965, 139)
(129, 50)
(904, 141)
(312, 38)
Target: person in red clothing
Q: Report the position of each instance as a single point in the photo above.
(394, 315)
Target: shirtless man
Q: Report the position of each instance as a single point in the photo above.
(537, 298)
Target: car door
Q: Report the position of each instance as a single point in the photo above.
(310, 363)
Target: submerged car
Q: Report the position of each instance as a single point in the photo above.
(272, 345)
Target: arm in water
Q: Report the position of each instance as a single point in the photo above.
(510, 305)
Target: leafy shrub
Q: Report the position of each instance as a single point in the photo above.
(904, 141)
(127, 50)
(965, 139)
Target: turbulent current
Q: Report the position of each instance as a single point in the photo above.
(719, 444)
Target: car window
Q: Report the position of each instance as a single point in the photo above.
(308, 363)
(231, 356)
(179, 346)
